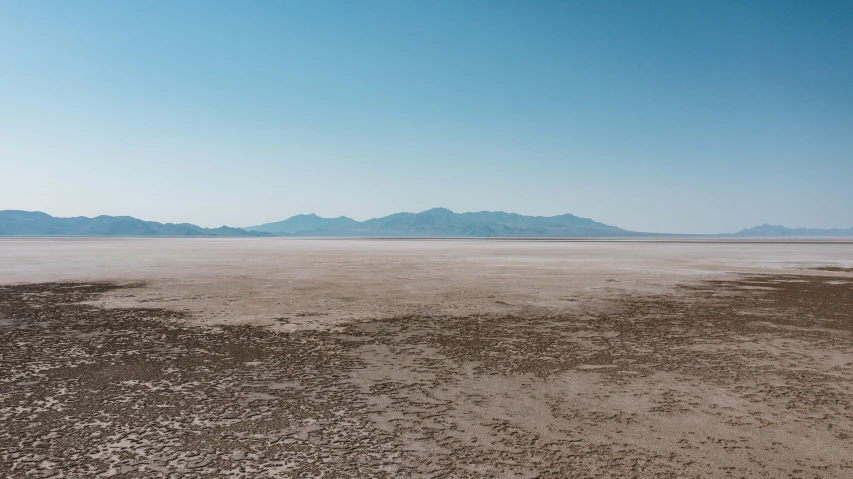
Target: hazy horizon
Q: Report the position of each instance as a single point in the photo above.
(677, 117)
(255, 227)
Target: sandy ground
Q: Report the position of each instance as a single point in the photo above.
(370, 358)
(320, 283)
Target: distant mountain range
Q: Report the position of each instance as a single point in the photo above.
(434, 223)
(311, 222)
(441, 222)
(775, 230)
(35, 223)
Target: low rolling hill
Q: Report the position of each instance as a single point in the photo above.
(36, 223)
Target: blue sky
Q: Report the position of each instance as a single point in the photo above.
(672, 116)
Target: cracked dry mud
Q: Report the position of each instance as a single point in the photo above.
(751, 377)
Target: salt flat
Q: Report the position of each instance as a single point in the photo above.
(423, 358)
(321, 282)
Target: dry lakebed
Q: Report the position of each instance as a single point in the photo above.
(271, 357)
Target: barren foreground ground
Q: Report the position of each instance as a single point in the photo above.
(301, 358)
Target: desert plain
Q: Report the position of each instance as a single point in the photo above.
(275, 357)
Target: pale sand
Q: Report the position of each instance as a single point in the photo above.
(425, 359)
(319, 283)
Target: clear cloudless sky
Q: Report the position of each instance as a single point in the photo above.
(668, 116)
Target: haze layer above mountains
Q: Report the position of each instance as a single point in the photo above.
(437, 222)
